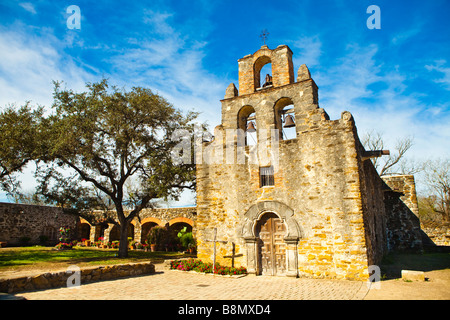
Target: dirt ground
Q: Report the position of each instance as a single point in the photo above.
(437, 287)
(437, 274)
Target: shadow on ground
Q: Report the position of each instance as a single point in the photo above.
(394, 263)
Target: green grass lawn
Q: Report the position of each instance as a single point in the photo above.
(30, 258)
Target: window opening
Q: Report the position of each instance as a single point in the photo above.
(266, 176)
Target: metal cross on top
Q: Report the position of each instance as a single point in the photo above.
(215, 241)
(264, 35)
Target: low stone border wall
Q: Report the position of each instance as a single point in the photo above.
(87, 274)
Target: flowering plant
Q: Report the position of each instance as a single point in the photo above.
(199, 266)
(64, 245)
(139, 245)
(115, 244)
(64, 240)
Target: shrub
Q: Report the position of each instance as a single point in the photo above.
(187, 240)
(43, 240)
(24, 241)
(156, 235)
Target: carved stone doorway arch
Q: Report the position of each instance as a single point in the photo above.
(252, 238)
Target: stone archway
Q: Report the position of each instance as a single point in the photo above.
(252, 239)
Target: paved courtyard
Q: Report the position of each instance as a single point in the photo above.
(173, 285)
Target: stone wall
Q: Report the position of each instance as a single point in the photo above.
(32, 221)
(23, 220)
(322, 192)
(374, 212)
(250, 66)
(402, 224)
(169, 215)
(87, 274)
(437, 236)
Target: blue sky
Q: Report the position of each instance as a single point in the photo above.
(395, 80)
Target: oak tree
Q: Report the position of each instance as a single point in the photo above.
(99, 140)
(19, 143)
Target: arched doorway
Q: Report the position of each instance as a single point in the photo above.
(270, 231)
(255, 220)
(85, 230)
(145, 230)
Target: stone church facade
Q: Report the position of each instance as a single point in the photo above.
(311, 205)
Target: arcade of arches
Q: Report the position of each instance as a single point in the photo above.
(175, 218)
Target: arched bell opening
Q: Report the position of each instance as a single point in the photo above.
(285, 118)
(263, 72)
(248, 126)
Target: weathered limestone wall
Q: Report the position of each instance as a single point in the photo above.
(318, 191)
(169, 215)
(282, 68)
(439, 236)
(403, 224)
(23, 220)
(87, 274)
(322, 186)
(374, 211)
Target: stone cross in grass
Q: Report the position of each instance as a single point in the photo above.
(214, 252)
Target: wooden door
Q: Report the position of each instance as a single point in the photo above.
(271, 231)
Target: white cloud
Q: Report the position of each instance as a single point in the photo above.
(28, 6)
(28, 65)
(439, 67)
(404, 36)
(172, 64)
(309, 51)
(379, 100)
(158, 21)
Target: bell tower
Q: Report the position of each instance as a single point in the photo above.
(251, 65)
(284, 204)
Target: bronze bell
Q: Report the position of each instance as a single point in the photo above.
(289, 121)
(251, 127)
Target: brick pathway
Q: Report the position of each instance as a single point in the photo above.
(168, 285)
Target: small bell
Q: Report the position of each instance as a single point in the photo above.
(251, 127)
(289, 121)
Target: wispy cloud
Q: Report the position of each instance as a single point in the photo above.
(171, 62)
(28, 6)
(406, 35)
(379, 98)
(29, 64)
(444, 71)
(158, 21)
(308, 50)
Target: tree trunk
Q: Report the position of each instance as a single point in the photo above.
(123, 245)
